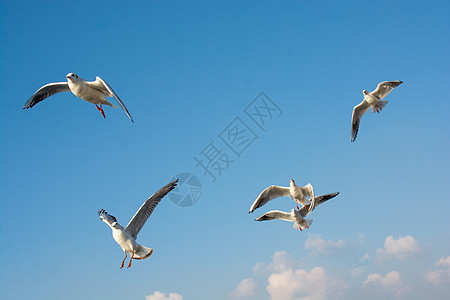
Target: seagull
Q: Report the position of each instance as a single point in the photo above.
(295, 192)
(126, 237)
(90, 91)
(373, 100)
(297, 216)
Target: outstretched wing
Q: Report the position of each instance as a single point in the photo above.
(358, 111)
(101, 85)
(305, 210)
(147, 208)
(384, 88)
(45, 92)
(268, 194)
(276, 214)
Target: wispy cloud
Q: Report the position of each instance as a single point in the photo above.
(401, 248)
(444, 262)
(391, 283)
(161, 296)
(364, 258)
(440, 276)
(360, 268)
(246, 288)
(318, 245)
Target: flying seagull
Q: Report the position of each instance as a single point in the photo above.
(90, 91)
(297, 216)
(374, 100)
(295, 192)
(126, 237)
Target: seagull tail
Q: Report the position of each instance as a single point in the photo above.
(143, 253)
(303, 225)
(308, 222)
(381, 104)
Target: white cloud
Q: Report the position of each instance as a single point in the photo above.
(319, 245)
(161, 296)
(280, 261)
(302, 285)
(288, 282)
(440, 276)
(401, 248)
(246, 288)
(392, 283)
(444, 262)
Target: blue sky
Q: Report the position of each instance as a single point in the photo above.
(185, 71)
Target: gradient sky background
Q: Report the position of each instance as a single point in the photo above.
(185, 71)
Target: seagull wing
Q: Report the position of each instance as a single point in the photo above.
(276, 214)
(101, 85)
(384, 88)
(47, 91)
(268, 194)
(358, 111)
(306, 210)
(147, 208)
(308, 191)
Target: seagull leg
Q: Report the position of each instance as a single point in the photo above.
(123, 261)
(101, 110)
(132, 255)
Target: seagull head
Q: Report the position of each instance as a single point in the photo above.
(72, 76)
(108, 219)
(292, 182)
(365, 92)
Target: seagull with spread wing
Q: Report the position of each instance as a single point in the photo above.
(126, 237)
(374, 100)
(295, 192)
(90, 91)
(297, 216)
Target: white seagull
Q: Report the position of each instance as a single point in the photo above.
(297, 216)
(372, 100)
(90, 91)
(126, 238)
(295, 192)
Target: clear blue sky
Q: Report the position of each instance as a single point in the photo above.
(185, 71)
